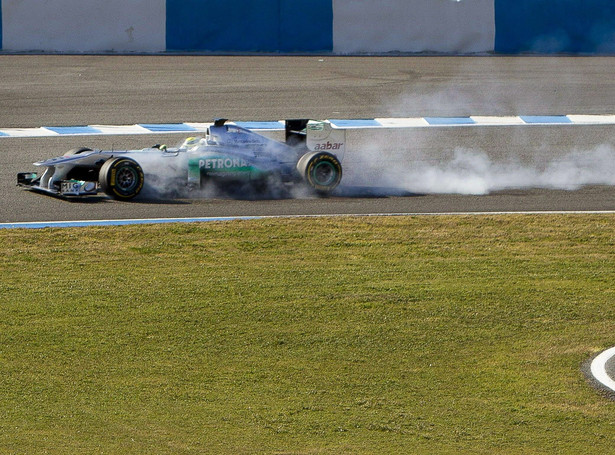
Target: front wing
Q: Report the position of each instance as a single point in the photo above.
(66, 188)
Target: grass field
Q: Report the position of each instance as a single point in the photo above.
(337, 335)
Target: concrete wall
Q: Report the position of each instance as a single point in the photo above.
(84, 25)
(337, 26)
(413, 26)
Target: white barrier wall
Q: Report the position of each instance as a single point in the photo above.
(84, 25)
(452, 26)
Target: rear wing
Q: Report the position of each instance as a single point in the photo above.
(316, 135)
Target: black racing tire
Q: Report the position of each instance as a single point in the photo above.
(322, 171)
(77, 151)
(121, 178)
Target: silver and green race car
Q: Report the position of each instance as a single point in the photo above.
(228, 155)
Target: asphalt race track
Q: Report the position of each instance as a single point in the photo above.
(80, 90)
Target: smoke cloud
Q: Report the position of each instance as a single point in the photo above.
(473, 172)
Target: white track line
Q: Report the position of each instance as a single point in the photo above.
(121, 222)
(598, 369)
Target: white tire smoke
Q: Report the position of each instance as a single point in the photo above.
(473, 172)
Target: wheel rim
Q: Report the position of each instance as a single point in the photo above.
(126, 178)
(324, 173)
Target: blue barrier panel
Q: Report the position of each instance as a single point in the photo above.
(250, 25)
(550, 26)
(0, 24)
(306, 25)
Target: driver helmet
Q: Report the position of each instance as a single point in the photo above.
(192, 141)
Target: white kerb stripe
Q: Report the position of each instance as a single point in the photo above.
(199, 126)
(495, 121)
(402, 122)
(592, 119)
(121, 129)
(28, 132)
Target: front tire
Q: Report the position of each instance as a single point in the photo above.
(322, 171)
(121, 178)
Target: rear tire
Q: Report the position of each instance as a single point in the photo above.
(121, 178)
(322, 171)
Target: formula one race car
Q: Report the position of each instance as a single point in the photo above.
(228, 155)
